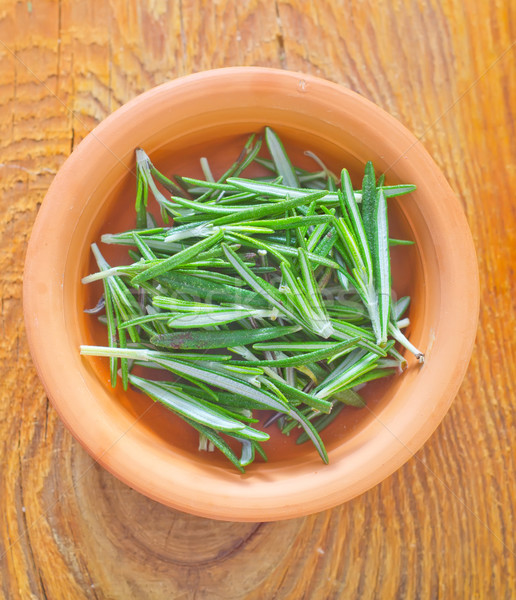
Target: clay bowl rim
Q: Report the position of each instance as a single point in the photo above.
(277, 491)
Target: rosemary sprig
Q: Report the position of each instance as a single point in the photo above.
(268, 294)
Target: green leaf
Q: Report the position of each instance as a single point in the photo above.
(271, 208)
(369, 200)
(211, 210)
(280, 158)
(321, 423)
(275, 190)
(142, 246)
(333, 384)
(395, 242)
(226, 382)
(247, 453)
(399, 307)
(356, 221)
(260, 286)
(203, 340)
(217, 441)
(322, 323)
(311, 432)
(111, 331)
(195, 409)
(291, 222)
(349, 397)
(400, 337)
(352, 247)
(177, 259)
(185, 284)
(293, 394)
(215, 317)
(301, 359)
(382, 267)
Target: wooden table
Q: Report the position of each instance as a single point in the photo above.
(441, 527)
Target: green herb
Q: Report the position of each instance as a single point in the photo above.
(269, 294)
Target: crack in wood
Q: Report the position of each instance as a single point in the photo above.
(46, 417)
(279, 38)
(58, 60)
(184, 48)
(25, 535)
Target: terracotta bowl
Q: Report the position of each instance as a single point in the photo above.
(210, 114)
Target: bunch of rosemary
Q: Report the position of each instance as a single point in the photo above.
(268, 294)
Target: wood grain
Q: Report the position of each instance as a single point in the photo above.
(443, 525)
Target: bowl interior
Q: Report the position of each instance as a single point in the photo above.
(211, 114)
(116, 213)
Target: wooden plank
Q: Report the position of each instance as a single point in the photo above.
(442, 526)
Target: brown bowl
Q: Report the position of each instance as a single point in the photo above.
(209, 114)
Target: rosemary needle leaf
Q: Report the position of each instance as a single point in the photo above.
(259, 244)
(290, 222)
(295, 346)
(311, 432)
(356, 220)
(318, 231)
(271, 208)
(321, 423)
(151, 318)
(188, 407)
(293, 394)
(247, 456)
(280, 158)
(177, 259)
(326, 244)
(400, 337)
(186, 284)
(396, 242)
(302, 359)
(186, 391)
(144, 165)
(399, 307)
(216, 317)
(281, 191)
(274, 190)
(142, 246)
(350, 397)
(349, 241)
(328, 388)
(323, 324)
(371, 375)
(214, 276)
(218, 186)
(111, 329)
(122, 342)
(217, 441)
(250, 433)
(197, 356)
(397, 190)
(247, 156)
(169, 185)
(260, 451)
(382, 267)
(178, 305)
(259, 285)
(368, 207)
(204, 340)
(209, 209)
(226, 382)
